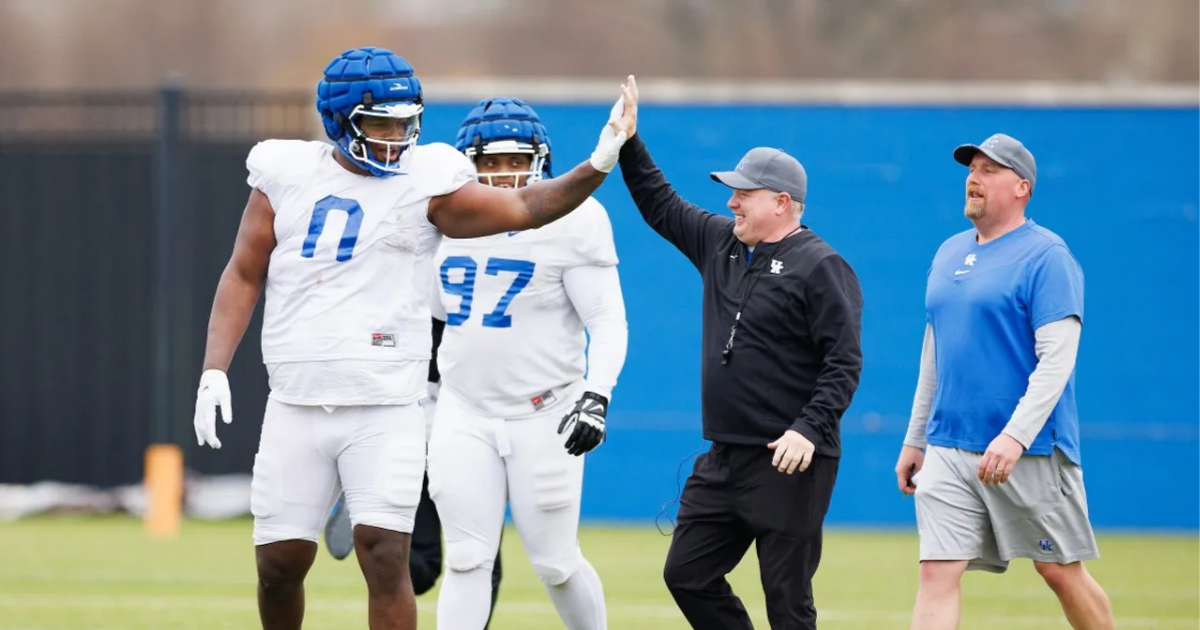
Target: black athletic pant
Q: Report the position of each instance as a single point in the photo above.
(732, 498)
(425, 558)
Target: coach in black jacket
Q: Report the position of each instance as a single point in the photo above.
(781, 361)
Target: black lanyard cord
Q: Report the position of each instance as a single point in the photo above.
(727, 353)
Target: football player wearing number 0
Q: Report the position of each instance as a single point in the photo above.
(515, 412)
(341, 237)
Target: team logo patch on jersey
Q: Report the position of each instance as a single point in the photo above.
(383, 340)
(542, 399)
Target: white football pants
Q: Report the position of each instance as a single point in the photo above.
(308, 455)
(477, 464)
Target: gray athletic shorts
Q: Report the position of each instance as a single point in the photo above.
(1039, 513)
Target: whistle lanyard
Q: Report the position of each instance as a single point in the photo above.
(727, 353)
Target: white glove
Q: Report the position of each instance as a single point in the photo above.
(608, 149)
(433, 389)
(213, 393)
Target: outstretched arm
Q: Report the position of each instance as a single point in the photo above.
(690, 229)
(477, 210)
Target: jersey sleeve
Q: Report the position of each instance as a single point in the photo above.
(436, 308)
(267, 165)
(595, 293)
(440, 169)
(592, 235)
(1055, 287)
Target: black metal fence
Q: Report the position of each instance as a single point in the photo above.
(118, 213)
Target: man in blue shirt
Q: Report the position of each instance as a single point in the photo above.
(992, 452)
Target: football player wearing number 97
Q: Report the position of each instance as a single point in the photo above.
(516, 413)
(341, 237)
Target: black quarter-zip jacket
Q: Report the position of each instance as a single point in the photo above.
(795, 357)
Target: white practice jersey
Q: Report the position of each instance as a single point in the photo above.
(346, 319)
(512, 333)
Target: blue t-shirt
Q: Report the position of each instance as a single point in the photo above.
(984, 303)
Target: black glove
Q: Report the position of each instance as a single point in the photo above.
(586, 423)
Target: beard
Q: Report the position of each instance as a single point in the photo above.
(975, 209)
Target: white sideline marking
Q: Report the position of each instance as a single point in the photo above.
(635, 611)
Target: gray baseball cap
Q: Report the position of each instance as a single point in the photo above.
(764, 167)
(1004, 150)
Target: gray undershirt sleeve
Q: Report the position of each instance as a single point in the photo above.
(923, 399)
(1056, 345)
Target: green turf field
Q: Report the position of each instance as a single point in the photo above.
(104, 574)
